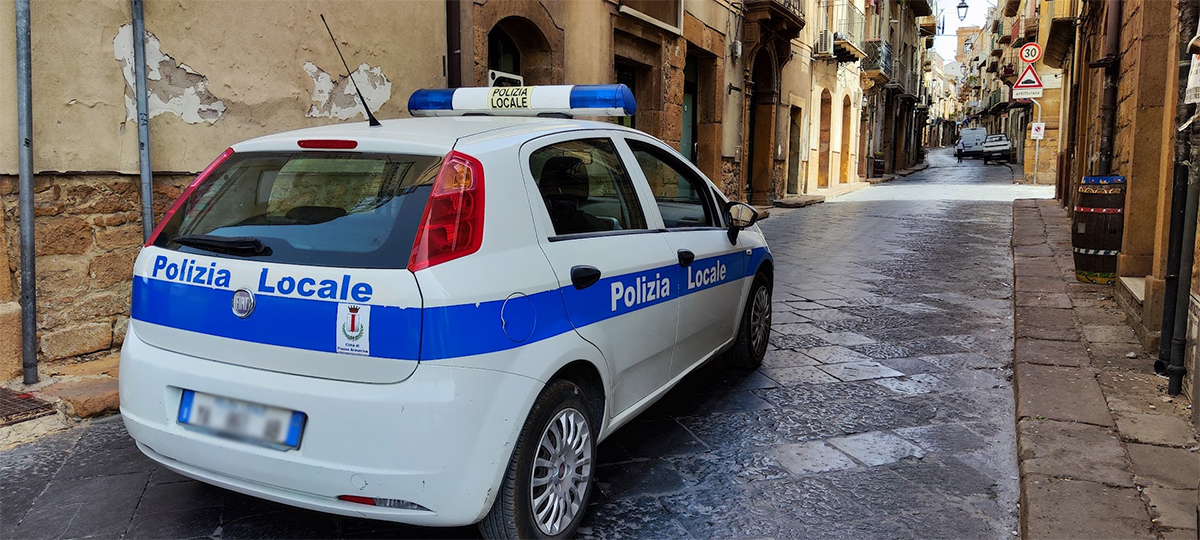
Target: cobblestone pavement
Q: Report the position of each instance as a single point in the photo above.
(883, 410)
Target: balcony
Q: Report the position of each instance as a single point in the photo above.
(878, 62)
(906, 79)
(993, 66)
(928, 25)
(921, 8)
(1060, 30)
(1011, 7)
(1031, 28)
(848, 32)
(782, 17)
(1018, 32)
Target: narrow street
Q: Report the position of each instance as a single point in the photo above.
(884, 410)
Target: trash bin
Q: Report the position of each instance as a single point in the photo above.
(1096, 228)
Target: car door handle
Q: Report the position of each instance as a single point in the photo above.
(583, 276)
(686, 257)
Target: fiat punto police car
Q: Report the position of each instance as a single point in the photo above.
(435, 321)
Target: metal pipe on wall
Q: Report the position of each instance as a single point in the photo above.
(25, 194)
(1108, 104)
(1179, 186)
(143, 117)
(453, 44)
(1175, 369)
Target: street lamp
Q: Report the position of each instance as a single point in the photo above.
(962, 10)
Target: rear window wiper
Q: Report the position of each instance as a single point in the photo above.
(233, 245)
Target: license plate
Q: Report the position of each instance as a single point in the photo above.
(241, 419)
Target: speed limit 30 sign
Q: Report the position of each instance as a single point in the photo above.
(1031, 53)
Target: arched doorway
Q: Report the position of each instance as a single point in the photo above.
(845, 140)
(517, 45)
(823, 146)
(759, 169)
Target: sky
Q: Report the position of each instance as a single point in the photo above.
(947, 41)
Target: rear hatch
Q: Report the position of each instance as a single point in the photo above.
(293, 262)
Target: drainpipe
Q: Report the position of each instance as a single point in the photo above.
(1179, 185)
(1108, 105)
(453, 44)
(25, 194)
(143, 117)
(1187, 246)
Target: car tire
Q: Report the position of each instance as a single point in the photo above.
(754, 332)
(559, 431)
(985, 160)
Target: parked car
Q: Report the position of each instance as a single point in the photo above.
(997, 147)
(435, 321)
(973, 141)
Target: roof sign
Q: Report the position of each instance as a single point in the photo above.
(570, 100)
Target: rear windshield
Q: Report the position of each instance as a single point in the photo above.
(319, 209)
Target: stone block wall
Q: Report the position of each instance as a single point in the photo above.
(87, 234)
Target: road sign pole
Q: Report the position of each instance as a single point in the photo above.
(1037, 143)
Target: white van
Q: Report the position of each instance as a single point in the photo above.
(972, 139)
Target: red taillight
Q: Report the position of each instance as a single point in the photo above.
(328, 144)
(188, 193)
(357, 499)
(452, 225)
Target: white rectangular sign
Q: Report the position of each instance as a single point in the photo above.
(1192, 94)
(1022, 93)
(1037, 131)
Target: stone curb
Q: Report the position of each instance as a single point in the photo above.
(1077, 476)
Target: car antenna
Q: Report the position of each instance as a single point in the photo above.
(370, 117)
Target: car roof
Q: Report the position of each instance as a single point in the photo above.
(436, 135)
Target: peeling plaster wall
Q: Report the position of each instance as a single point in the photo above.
(171, 87)
(224, 74)
(338, 99)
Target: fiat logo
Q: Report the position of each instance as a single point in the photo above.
(243, 303)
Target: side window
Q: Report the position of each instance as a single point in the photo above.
(682, 197)
(585, 187)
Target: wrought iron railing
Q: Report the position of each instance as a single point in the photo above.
(879, 57)
(849, 24)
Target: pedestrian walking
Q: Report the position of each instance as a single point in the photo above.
(958, 149)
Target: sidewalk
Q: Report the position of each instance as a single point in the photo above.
(1103, 451)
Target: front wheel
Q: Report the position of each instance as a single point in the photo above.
(755, 329)
(545, 490)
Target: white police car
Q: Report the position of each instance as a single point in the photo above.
(435, 321)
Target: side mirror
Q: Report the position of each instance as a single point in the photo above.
(741, 216)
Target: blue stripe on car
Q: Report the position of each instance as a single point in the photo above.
(410, 333)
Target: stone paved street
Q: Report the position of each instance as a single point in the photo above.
(883, 410)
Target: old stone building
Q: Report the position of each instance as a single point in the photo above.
(898, 36)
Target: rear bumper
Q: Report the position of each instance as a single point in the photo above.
(440, 439)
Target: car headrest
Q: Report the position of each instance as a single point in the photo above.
(564, 178)
(315, 214)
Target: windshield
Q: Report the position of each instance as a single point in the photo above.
(312, 208)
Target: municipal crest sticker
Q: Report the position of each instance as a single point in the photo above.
(354, 329)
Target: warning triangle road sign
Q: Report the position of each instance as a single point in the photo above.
(1028, 79)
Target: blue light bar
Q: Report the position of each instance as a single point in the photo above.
(603, 96)
(580, 100)
(430, 99)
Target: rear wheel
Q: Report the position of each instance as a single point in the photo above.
(755, 330)
(545, 490)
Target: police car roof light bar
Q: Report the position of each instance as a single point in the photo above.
(568, 100)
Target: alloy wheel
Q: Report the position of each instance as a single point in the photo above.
(562, 469)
